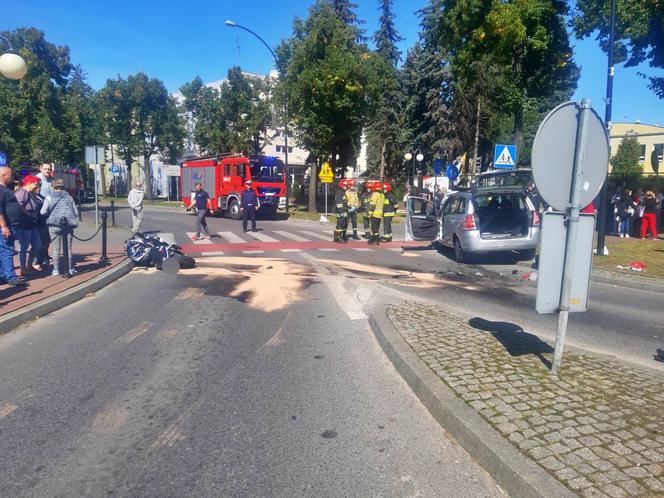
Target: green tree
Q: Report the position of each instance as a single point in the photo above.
(639, 31)
(326, 78)
(626, 161)
(345, 10)
(143, 119)
(382, 134)
(32, 121)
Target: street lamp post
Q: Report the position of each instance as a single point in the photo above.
(419, 157)
(233, 24)
(12, 65)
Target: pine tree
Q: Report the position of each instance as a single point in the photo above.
(382, 134)
(345, 10)
(626, 161)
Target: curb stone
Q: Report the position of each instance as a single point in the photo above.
(512, 471)
(12, 320)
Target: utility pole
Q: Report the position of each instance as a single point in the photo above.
(477, 138)
(604, 193)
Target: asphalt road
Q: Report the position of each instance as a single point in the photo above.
(248, 376)
(623, 322)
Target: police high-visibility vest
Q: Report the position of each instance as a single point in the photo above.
(376, 204)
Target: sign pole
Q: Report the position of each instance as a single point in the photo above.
(572, 230)
(326, 200)
(96, 166)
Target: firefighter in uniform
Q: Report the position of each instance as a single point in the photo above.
(353, 202)
(376, 205)
(389, 210)
(341, 209)
(364, 199)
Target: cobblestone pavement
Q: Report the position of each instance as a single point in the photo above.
(598, 427)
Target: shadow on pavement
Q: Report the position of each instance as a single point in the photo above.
(514, 339)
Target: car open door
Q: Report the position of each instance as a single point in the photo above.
(421, 220)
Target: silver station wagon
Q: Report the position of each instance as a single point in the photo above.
(494, 216)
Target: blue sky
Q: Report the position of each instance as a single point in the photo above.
(175, 41)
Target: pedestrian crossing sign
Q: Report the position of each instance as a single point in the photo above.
(326, 175)
(504, 157)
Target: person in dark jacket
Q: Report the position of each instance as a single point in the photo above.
(649, 215)
(10, 218)
(248, 206)
(201, 200)
(28, 235)
(390, 206)
(364, 200)
(626, 212)
(57, 205)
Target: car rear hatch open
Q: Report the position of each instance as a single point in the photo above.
(502, 213)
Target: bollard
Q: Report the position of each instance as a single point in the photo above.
(80, 211)
(104, 225)
(64, 236)
(112, 212)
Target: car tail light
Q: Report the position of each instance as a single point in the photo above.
(469, 222)
(536, 220)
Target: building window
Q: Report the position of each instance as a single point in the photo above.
(642, 153)
(282, 148)
(659, 149)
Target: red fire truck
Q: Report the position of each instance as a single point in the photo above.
(223, 178)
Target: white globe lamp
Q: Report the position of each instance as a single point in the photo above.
(13, 66)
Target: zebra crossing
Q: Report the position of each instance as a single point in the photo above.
(260, 242)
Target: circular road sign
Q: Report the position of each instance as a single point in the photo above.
(553, 156)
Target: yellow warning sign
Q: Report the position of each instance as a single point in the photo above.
(326, 175)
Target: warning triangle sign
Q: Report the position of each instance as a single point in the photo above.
(505, 158)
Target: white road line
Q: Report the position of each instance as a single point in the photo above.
(315, 234)
(291, 250)
(214, 253)
(253, 252)
(262, 237)
(328, 249)
(232, 238)
(395, 249)
(200, 241)
(167, 237)
(291, 236)
(362, 249)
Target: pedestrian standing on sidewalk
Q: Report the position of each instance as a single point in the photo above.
(658, 214)
(135, 201)
(10, 217)
(626, 212)
(202, 203)
(26, 232)
(649, 220)
(248, 206)
(57, 205)
(45, 176)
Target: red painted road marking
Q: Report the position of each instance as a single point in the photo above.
(277, 246)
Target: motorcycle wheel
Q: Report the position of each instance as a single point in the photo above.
(186, 262)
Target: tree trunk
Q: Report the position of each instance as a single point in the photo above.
(127, 159)
(517, 134)
(102, 176)
(382, 163)
(312, 187)
(148, 179)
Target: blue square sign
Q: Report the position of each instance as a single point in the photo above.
(504, 157)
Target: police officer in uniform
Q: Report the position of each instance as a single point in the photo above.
(376, 205)
(248, 205)
(364, 199)
(389, 210)
(341, 208)
(353, 202)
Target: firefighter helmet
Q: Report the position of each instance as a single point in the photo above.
(387, 187)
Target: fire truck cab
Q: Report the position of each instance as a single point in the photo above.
(223, 178)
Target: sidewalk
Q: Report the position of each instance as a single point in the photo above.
(45, 293)
(597, 428)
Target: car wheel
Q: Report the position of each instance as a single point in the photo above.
(459, 254)
(234, 210)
